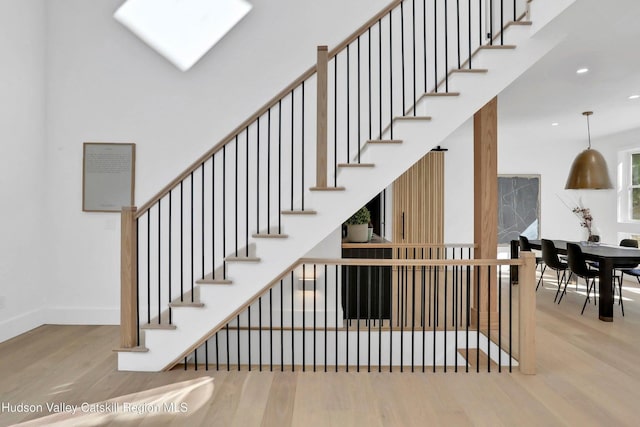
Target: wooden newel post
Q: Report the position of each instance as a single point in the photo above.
(527, 308)
(321, 124)
(128, 275)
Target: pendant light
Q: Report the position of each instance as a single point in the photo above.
(589, 169)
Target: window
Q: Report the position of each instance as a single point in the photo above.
(634, 187)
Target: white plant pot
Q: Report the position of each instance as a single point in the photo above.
(358, 233)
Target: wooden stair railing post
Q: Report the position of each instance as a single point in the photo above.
(321, 124)
(527, 310)
(128, 275)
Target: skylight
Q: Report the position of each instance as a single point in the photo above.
(181, 30)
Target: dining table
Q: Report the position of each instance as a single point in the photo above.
(608, 258)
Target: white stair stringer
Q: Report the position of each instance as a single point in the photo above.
(222, 303)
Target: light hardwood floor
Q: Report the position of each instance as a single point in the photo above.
(588, 374)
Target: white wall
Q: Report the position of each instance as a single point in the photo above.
(72, 74)
(23, 258)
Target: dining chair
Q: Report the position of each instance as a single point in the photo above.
(551, 260)
(526, 247)
(630, 269)
(578, 266)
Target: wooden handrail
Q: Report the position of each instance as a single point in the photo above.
(262, 110)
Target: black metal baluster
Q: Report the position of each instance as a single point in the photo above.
(335, 121)
(235, 212)
(138, 283)
(238, 338)
(336, 315)
(511, 324)
(159, 263)
(413, 313)
(446, 49)
(257, 177)
(260, 332)
(269, 172)
(435, 46)
(444, 322)
(195, 359)
(224, 212)
(248, 334)
(390, 75)
(228, 358)
(480, 23)
(169, 246)
(488, 318)
(478, 269)
(282, 326)
(304, 324)
(413, 43)
(293, 358)
(404, 107)
(422, 312)
(500, 317)
(458, 29)
(149, 266)
(191, 239)
(348, 103)
(467, 318)
(314, 317)
(302, 152)
(469, 19)
(213, 217)
(380, 291)
(348, 318)
(502, 22)
(359, 316)
(325, 317)
(279, 166)
(403, 305)
(358, 104)
(490, 22)
(217, 358)
(246, 194)
(206, 355)
(369, 320)
(369, 80)
(292, 143)
(271, 329)
(380, 77)
(202, 216)
(424, 41)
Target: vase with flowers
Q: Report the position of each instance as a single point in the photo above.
(586, 221)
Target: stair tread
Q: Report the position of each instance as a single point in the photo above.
(356, 165)
(498, 46)
(137, 349)
(269, 236)
(425, 118)
(470, 70)
(305, 212)
(326, 189)
(186, 304)
(442, 94)
(242, 259)
(384, 141)
(210, 281)
(164, 326)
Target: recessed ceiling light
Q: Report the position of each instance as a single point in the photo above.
(555, 124)
(582, 70)
(634, 97)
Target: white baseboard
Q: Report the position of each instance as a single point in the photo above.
(57, 316)
(20, 324)
(81, 316)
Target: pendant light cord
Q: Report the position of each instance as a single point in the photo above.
(588, 131)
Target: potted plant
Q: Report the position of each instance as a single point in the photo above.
(358, 226)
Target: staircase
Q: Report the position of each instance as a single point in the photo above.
(245, 212)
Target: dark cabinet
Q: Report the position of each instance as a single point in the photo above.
(366, 290)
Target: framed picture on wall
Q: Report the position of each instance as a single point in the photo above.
(108, 176)
(518, 207)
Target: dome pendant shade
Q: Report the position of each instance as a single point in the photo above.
(589, 171)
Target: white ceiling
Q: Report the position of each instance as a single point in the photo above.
(603, 36)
